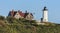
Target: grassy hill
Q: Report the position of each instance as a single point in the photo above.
(12, 25)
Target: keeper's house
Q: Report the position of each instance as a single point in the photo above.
(19, 14)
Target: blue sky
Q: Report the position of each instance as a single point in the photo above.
(34, 6)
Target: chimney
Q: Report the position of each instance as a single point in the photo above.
(19, 11)
(12, 12)
(26, 11)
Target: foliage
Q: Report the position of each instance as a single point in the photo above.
(2, 17)
(13, 25)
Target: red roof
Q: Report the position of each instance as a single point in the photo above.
(21, 14)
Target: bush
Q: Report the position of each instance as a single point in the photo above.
(2, 17)
(10, 19)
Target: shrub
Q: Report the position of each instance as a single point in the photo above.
(2, 17)
(10, 19)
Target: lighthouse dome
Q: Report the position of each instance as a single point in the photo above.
(45, 8)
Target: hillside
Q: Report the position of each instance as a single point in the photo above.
(12, 25)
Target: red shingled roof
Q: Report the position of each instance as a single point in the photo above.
(21, 14)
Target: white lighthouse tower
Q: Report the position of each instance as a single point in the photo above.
(45, 15)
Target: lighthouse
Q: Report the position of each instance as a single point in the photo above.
(45, 14)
